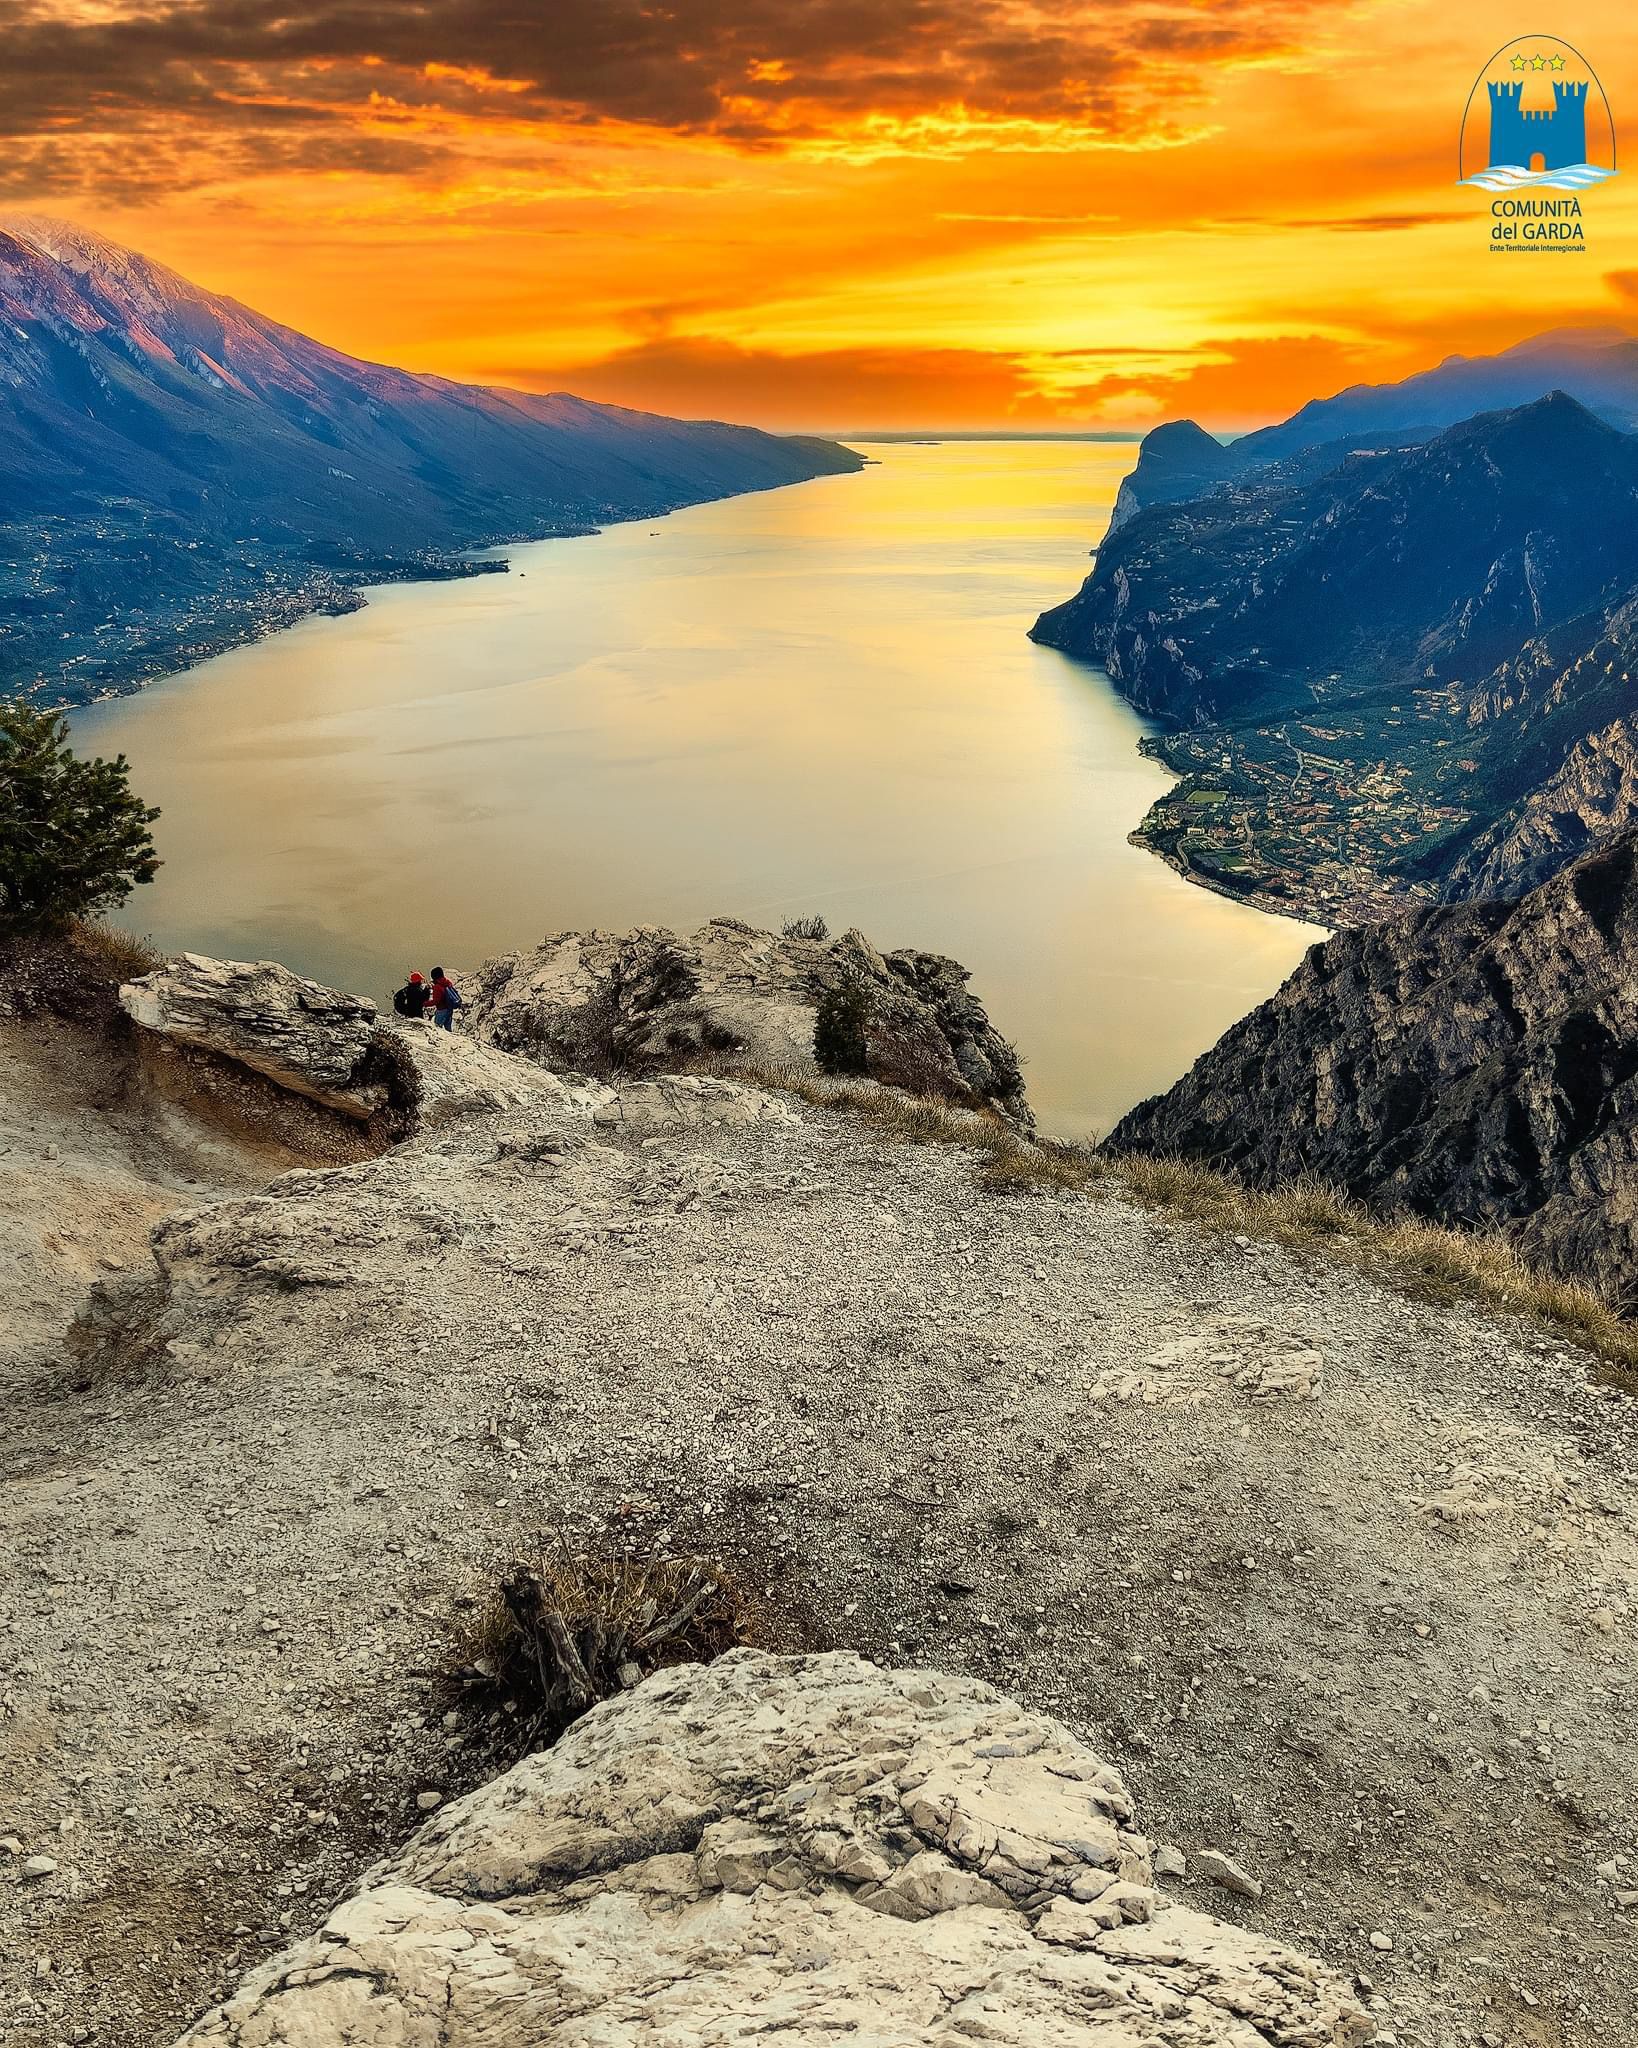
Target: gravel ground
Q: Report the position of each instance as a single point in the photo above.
(1347, 1585)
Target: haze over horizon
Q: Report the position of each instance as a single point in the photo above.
(955, 214)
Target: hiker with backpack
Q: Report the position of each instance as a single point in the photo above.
(446, 1000)
(412, 999)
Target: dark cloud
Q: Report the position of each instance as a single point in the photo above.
(139, 168)
(1375, 223)
(1232, 382)
(842, 389)
(755, 72)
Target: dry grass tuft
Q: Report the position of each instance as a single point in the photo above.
(121, 953)
(1180, 1186)
(1421, 1258)
(569, 1626)
(1023, 1166)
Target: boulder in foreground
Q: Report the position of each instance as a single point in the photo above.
(800, 1849)
(331, 1047)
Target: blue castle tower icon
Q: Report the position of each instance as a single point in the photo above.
(1558, 135)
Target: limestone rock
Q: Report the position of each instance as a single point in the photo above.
(453, 1075)
(313, 1040)
(1590, 798)
(680, 1102)
(645, 1001)
(805, 1846)
(1475, 1064)
(1221, 1869)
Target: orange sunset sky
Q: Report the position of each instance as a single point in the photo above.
(823, 213)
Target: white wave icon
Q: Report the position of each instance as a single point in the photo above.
(1515, 178)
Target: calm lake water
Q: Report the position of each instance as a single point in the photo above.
(814, 699)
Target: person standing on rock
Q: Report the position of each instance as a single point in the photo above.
(446, 1000)
(412, 999)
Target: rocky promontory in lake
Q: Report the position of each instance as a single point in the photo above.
(1394, 663)
(1475, 1064)
(179, 473)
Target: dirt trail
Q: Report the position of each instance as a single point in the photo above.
(1347, 1585)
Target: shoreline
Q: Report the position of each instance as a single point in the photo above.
(300, 604)
(319, 591)
(589, 725)
(1326, 916)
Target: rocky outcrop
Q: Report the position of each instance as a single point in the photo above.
(442, 1076)
(805, 1847)
(635, 1008)
(1475, 1064)
(315, 1041)
(1176, 460)
(600, 1002)
(332, 1049)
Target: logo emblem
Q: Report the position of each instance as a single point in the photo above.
(1536, 119)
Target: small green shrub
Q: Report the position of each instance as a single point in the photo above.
(73, 838)
(813, 927)
(839, 1042)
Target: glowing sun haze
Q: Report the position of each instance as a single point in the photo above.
(821, 213)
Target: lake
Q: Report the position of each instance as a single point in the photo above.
(813, 699)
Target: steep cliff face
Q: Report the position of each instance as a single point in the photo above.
(1478, 1064)
(1592, 797)
(1177, 460)
(1421, 565)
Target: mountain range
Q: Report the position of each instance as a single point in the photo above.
(1598, 366)
(178, 472)
(1388, 671)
